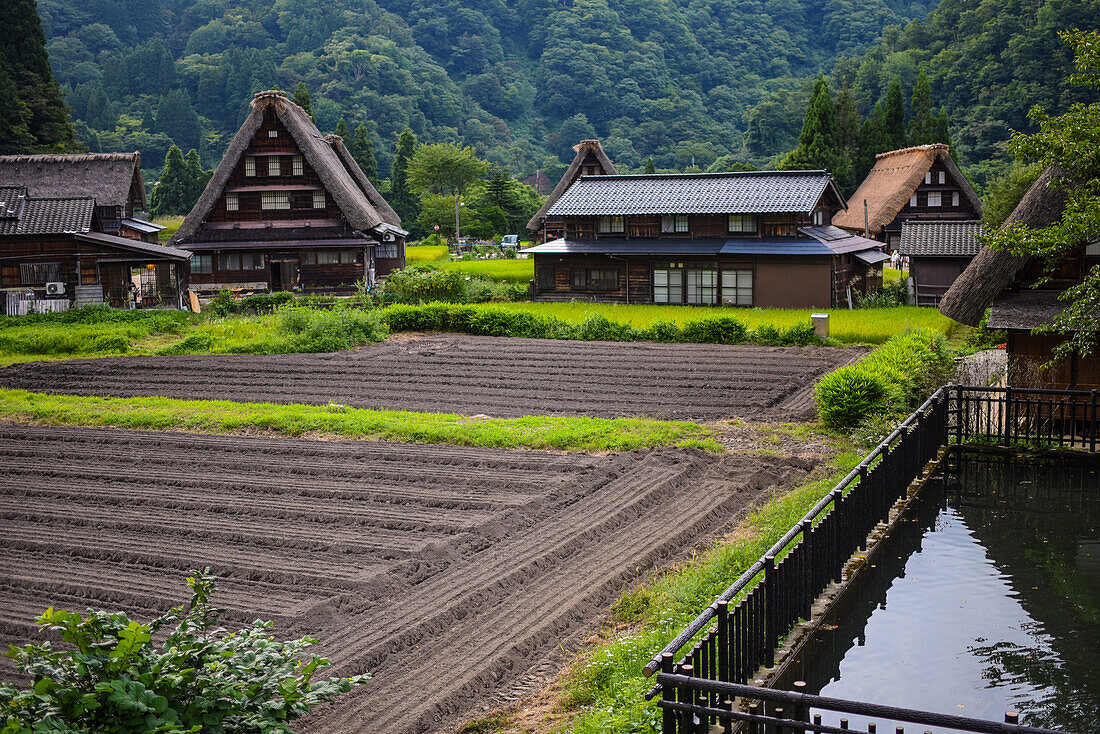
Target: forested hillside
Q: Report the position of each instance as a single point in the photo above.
(703, 82)
(522, 80)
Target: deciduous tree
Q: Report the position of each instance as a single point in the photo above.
(446, 169)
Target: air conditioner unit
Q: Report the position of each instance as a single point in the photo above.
(388, 237)
(55, 289)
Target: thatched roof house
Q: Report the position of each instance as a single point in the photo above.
(590, 160)
(288, 207)
(113, 179)
(921, 182)
(992, 271)
(1001, 281)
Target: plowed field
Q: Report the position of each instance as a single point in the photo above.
(500, 377)
(456, 576)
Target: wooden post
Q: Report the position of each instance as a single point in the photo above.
(668, 694)
(771, 608)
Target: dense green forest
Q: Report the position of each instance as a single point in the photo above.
(707, 83)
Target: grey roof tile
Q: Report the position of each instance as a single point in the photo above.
(50, 216)
(940, 238)
(694, 193)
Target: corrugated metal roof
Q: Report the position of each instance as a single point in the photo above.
(872, 257)
(142, 226)
(940, 238)
(50, 216)
(840, 241)
(745, 192)
(144, 248)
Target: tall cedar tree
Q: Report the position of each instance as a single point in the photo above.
(922, 123)
(170, 195)
(894, 120)
(302, 99)
(848, 126)
(342, 130)
(362, 150)
(872, 140)
(197, 177)
(403, 201)
(819, 141)
(38, 102)
(177, 119)
(650, 166)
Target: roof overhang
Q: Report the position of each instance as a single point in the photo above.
(797, 246)
(282, 245)
(871, 257)
(146, 250)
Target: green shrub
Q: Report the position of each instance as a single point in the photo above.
(484, 290)
(715, 330)
(424, 283)
(111, 343)
(599, 328)
(799, 335)
(330, 331)
(846, 397)
(192, 344)
(182, 672)
(661, 331)
(894, 379)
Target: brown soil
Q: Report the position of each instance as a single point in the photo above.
(499, 377)
(456, 576)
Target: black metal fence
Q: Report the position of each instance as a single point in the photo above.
(741, 630)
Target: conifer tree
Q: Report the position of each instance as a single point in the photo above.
(848, 126)
(15, 137)
(362, 150)
(172, 190)
(342, 130)
(819, 141)
(24, 60)
(403, 201)
(922, 123)
(302, 99)
(894, 119)
(650, 167)
(197, 177)
(177, 119)
(872, 140)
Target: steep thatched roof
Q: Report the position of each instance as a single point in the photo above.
(991, 271)
(389, 216)
(112, 179)
(571, 174)
(895, 177)
(340, 176)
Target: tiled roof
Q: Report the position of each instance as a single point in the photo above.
(11, 201)
(943, 238)
(694, 193)
(674, 247)
(50, 216)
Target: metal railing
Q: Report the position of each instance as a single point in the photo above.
(744, 625)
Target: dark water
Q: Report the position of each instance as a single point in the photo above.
(988, 602)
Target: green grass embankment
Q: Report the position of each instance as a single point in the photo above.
(557, 433)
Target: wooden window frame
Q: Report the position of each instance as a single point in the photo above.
(705, 294)
(297, 165)
(320, 199)
(274, 200)
(202, 263)
(736, 294)
(611, 224)
(741, 223)
(934, 196)
(274, 163)
(232, 202)
(250, 166)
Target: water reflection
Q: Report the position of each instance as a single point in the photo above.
(989, 600)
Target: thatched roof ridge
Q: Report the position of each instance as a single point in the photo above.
(389, 216)
(894, 178)
(112, 179)
(991, 271)
(317, 151)
(571, 174)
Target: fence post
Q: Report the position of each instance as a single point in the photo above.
(684, 695)
(1094, 428)
(723, 672)
(958, 413)
(771, 608)
(668, 694)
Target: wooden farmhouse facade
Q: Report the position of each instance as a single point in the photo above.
(590, 160)
(113, 180)
(54, 253)
(921, 183)
(756, 238)
(1004, 283)
(289, 209)
(938, 253)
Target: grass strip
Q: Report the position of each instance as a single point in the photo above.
(340, 421)
(604, 691)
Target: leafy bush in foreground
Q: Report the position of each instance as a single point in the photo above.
(332, 330)
(202, 678)
(894, 378)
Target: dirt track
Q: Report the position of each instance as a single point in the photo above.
(500, 377)
(456, 576)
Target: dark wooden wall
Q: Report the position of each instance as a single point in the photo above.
(1028, 355)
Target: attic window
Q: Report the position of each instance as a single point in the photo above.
(272, 133)
(249, 165)
(232, 204)
(274, 200)
(319, 200)
(954, 198)
(674, 223)
(933, 198)
(297, 168)
(818, 218)
(913, 200)
(928, 177)
(941, 177)
(274, 167)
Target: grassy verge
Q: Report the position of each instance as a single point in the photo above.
(222, 416)
(604, 692)
(427, 255)
(170, 223)
(857, 326)
(508, 271)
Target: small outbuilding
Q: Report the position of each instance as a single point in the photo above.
(1003, 283)
(938, 253)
